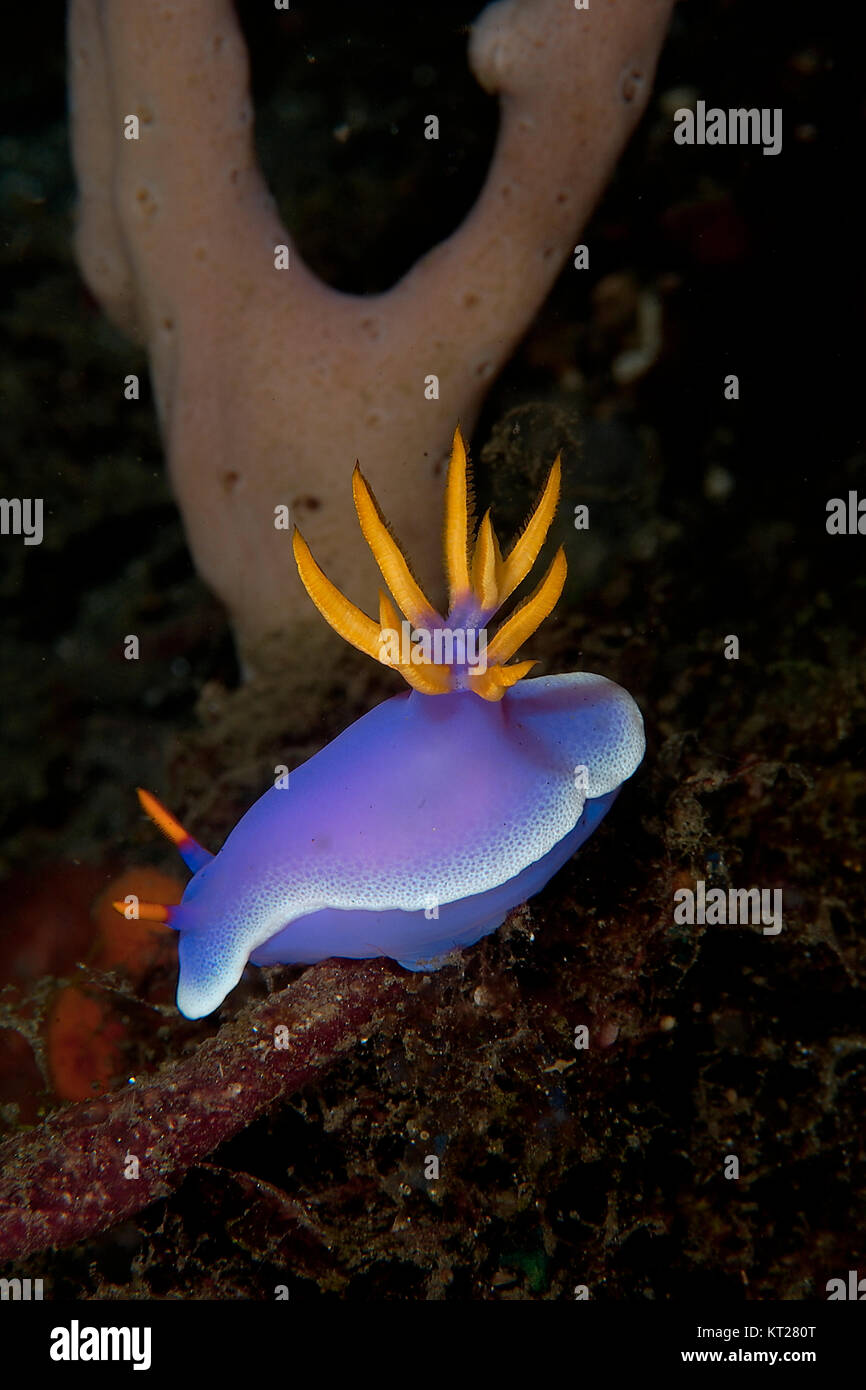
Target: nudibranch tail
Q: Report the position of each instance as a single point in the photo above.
(480, 581)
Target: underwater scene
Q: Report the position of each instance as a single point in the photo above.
(432, 536)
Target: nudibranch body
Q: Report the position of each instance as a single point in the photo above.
(417, 829)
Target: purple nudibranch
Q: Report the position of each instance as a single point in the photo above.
(416, 830)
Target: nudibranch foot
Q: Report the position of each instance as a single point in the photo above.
(418, 829)
(435, 932)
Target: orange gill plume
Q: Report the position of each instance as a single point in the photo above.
(480, 581)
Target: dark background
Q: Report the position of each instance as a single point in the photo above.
(708, 519)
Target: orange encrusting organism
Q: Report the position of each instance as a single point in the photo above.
(480, 581)
(85, 1031)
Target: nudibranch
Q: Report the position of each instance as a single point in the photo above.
(419, 827)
